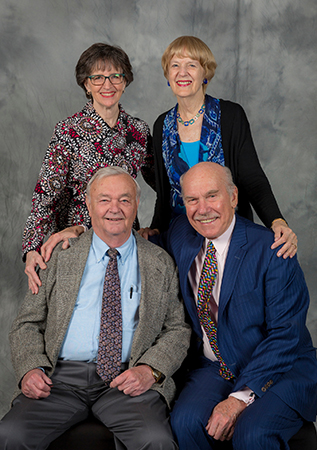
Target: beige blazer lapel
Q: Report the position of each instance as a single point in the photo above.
(151, 298)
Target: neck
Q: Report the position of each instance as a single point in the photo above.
(188, 106)
(109, 115)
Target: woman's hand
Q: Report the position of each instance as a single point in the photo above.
(146, 232)
(34, 259)
(284, 235)
(56, 238)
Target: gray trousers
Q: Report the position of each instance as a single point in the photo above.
(137, 422)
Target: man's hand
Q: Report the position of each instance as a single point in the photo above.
(34, 259)
(134, 381)
(35, 384)
(56, 238)
(146, 232)
(284, 235)
(222, 421)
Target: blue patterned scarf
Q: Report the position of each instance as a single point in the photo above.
(210, 148)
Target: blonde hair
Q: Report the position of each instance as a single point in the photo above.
(194, 48)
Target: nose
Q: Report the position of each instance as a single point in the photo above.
(114, 206)
(107, 84)
(182, 70)
(203, 207)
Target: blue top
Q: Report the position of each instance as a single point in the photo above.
(81, 340)
(209, 149)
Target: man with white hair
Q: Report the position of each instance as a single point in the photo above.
(104, 334)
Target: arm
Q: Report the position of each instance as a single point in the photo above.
(162, 211)
(253, 185)
(285, 305)
(50, 197)
(27, 335)
(147, 168)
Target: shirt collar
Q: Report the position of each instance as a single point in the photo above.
(100, 248)
(222, 242)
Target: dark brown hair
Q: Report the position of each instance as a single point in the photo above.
(97, 57)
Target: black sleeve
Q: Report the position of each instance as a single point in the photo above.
(241, 157)
(162, 211)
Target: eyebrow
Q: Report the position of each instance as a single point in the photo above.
(212, 191)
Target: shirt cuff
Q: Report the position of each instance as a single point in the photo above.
(245, 394)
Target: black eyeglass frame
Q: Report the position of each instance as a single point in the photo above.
(92, 77)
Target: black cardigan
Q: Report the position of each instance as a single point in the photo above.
(241, 158)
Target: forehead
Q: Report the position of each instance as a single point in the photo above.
(200, 183)
(105, 66)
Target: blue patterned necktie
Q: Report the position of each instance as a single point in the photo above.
(110, 337)
(204, 297)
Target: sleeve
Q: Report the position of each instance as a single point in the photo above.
(162, 211)
(27, 332)
(147, 168)
(286, 305)
(51, 196)
(242, 159)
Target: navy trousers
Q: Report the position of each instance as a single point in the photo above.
(268, 423)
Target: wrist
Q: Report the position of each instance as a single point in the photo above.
(279, 219)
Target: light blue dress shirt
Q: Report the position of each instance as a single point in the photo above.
(81, 339)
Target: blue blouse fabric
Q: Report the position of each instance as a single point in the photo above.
(175, 157)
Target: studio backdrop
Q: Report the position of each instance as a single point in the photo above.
(267, 61)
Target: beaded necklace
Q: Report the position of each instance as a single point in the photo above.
(191, 121)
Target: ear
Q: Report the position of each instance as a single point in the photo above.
(234, 197)
(88, 205)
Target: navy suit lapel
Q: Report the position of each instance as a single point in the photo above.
(234, 260)
(188, 253)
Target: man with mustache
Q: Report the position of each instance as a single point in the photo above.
(104, 334)
(253, 374)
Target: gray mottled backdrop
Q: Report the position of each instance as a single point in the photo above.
(266, 55)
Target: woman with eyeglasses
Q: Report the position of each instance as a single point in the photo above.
(101, 134)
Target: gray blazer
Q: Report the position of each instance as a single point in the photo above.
(161, 339)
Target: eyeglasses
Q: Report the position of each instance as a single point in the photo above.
(114, 78)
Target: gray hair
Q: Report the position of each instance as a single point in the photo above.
(111, 171)
(228, 181)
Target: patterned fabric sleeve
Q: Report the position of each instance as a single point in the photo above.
(51, 197)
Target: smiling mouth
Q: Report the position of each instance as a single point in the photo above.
(183, 83)
(207, 220)
(107, 94)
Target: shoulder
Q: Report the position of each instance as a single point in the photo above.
(152, 253)
(231, 111)
(160, 120)
(255, 233)
(134, 122)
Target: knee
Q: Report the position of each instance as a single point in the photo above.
(248, 436)
(11, 436)
(186, 423)
(158, 438)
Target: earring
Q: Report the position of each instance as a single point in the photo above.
(205, 81)
(168, 83)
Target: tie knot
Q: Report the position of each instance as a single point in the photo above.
(112, 253)
(211, 247)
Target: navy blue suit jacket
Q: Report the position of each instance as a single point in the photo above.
(263, 305)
